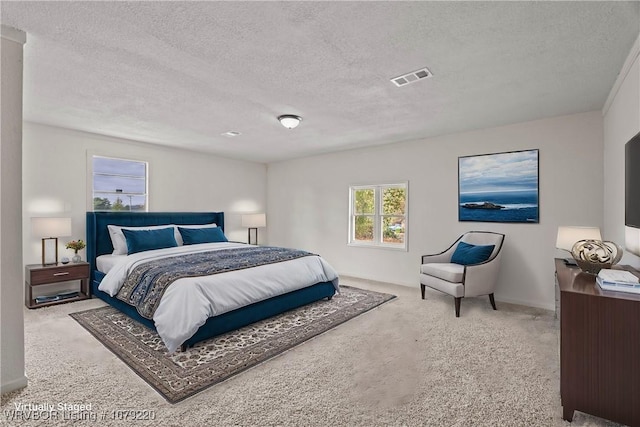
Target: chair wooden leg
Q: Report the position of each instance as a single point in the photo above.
(458, 299)
(493, 301)
(422, 289)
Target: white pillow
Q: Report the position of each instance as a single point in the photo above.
(120, 243)
(179, 236)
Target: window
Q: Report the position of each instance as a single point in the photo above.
(119, 185)
(378, 215)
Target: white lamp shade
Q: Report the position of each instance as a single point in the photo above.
(568, 236)
(43, 227)
(254, 220)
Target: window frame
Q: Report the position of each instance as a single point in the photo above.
(90, 175)
(378, 215)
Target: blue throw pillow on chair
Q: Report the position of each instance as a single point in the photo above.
(466, 254)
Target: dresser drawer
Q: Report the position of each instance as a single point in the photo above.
(61, 274)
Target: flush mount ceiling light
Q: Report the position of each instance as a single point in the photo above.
(231, 133)
(290, 121)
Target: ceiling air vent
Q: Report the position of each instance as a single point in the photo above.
(414, 76)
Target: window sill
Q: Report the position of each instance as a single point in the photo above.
(378, 246)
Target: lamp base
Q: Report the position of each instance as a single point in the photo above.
(252, 236)
(49, 251)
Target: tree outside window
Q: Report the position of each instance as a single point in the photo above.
(364, 214)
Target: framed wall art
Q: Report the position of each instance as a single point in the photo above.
(499, 187)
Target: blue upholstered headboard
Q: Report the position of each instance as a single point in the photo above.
(99, 242)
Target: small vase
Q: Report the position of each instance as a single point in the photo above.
(76, 258)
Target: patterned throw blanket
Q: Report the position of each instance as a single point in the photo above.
(147, 283)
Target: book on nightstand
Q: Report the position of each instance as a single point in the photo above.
(618, 280)
(58, 297)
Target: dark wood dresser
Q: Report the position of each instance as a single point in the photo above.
(599, 348)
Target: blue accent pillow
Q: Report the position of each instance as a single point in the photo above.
(146, 240)
(193, 236)
(466, 254)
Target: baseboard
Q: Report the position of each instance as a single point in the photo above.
(526, 303)
(16, 384)
(415, 285)
(372, 280)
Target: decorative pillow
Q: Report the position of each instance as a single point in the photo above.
(466, 254)
(193, 236)
(179, 236)
(120, 244)
(146, 240)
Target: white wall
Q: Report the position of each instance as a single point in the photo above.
(308, 201)
(55, 181)
(12, 374)
(621, 122)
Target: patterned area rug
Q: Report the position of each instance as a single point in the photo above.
(183, 374)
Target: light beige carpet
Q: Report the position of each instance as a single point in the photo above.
(409, 362)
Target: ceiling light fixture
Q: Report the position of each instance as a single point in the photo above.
(231, 133)
(290, 121)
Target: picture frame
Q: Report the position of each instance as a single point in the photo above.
(499, 187)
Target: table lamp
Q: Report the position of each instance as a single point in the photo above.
(49, 229)
(253, 221)
(569, 235)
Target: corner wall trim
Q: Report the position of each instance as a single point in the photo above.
(13, 34)
(626, 67)
(16, 384)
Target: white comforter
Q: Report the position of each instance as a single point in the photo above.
(188, 303)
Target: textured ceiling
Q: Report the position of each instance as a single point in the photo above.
(183, 73)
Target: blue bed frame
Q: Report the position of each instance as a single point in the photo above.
(99, 243)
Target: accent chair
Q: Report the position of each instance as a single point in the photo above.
(468, 268)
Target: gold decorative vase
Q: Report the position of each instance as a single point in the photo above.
(594, 255)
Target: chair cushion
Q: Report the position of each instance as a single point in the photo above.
(466, 253)
(445, 271)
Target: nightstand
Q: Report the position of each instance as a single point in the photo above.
(37, 275)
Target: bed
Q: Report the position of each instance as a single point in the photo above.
(99, 242)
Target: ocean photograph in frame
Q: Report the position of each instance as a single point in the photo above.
(499, 187)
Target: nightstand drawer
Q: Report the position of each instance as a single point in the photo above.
(61, 274)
